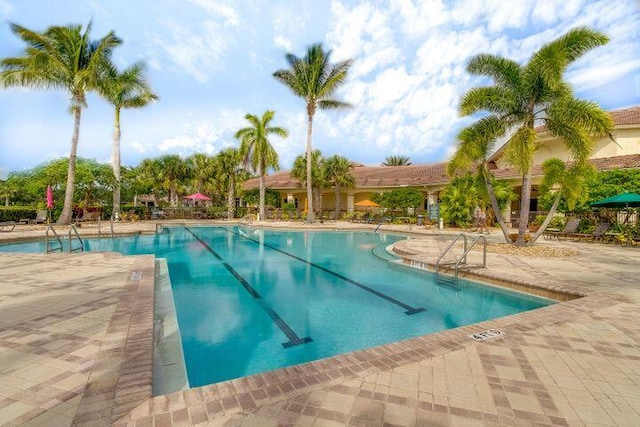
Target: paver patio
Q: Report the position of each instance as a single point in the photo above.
(76, 349)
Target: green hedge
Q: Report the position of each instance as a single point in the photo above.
(16, 213)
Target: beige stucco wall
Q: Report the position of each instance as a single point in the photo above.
(627, 139)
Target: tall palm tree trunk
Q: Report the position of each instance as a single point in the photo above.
(311, 216)
(337, 205)
(549, 217)
(262, 210)
(65, 216)
(494, 204)
(116, 166)
(525, 197)
(231, 199)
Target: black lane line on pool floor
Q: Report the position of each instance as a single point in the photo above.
(409, 310)
(294, 339)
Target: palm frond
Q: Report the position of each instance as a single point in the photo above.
(519, 149)
(494, 99)
(505, 72)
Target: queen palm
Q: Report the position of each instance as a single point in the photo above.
(256, 149)
(314, 79)
(524, 96)
(61, 58)
(337, 172)
(127, 89)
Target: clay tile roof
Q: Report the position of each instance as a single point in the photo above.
(370, 176)
(628, 116)
(625, 117)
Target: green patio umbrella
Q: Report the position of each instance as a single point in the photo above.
(624, 200)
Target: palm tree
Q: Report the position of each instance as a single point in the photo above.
(299, 172)
(337, 171)
(230, 168)
(522, 97)
(171, 170)
(201, 168)
(396, 161)
(314, 79)
(256, 149)
(61, 58)
(128, 89)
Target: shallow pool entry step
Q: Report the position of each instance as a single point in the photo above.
(294, 339)
(408, 309)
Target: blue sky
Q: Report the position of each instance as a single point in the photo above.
(211, 62)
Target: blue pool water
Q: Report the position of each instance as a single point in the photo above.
(251, 300)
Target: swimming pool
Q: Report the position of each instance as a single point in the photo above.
(251, 300)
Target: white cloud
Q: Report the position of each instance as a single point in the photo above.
(5, 9)
(196, 51)
(417, 18)
(283, 42)
(219, 9)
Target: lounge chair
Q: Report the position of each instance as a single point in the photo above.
(569, 229)
(88, 217)
(597, 234)
(41, 218)
(7, 226)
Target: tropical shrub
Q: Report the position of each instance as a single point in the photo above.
(16, 213)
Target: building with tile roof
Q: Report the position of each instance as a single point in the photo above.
(622, 152)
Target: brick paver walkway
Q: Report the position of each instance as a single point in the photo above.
(75, 348)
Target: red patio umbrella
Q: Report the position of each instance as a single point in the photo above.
(197, 196)
(49, 197)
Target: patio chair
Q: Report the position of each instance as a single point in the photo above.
(569, 229)
(7, 226)
(87, 217)
(41, 218)
(597, 234)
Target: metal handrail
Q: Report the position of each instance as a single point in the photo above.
(446, 250)
(77, 236)
(464, 255)
(60, 248)
(380, 222)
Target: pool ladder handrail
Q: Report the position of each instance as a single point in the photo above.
(463, 258)
(73, 231)
(46, 239)
(110, 226)
(380, 222)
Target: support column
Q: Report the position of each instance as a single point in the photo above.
(350, 202)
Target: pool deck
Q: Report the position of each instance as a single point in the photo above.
(76, 344)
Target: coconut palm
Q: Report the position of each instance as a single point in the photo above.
(61, 58)
(314, 79)
(229, 168)
(299, 172)
(127, 89)
(256, 149)
(523, 96)
(396, 161)
(337, 172)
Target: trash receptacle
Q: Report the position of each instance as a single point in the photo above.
(420, 219)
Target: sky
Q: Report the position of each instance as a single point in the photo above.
(211, 62)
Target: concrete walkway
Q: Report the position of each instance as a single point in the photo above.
(75, 348)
